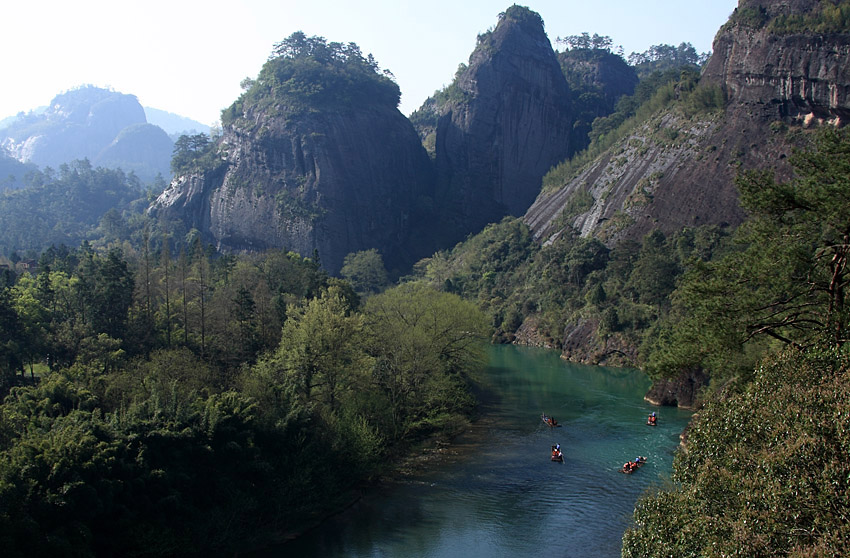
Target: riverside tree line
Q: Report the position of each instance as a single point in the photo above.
(161, 404)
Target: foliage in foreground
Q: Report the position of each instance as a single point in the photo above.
(785, 283)
(622, 291)
(174, 423)
(765, 472)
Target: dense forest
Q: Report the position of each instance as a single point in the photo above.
(164, 402)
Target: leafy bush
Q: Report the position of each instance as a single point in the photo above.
(829, 17)
(764, 471)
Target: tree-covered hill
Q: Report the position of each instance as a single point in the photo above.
(313, 156)
(310, 74)
(76, 204)
(13, 172)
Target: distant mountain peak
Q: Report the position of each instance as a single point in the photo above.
(175, 124)
(81, 124)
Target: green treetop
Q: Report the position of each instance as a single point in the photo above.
(311, 74)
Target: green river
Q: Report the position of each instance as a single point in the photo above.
(499, 494)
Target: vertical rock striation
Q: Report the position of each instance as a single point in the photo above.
(311, 161)
(775, 73)
(506, 123)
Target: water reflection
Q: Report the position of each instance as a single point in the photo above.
(502, 496)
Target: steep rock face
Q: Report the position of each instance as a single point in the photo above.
(582, 343)
(597, 80)
(508, 124)
(600, 71)
(796, 76)
(682, 391)
(671, 173)
(333, 182)
(679, 171)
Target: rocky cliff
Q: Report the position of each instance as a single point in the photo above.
(333, 171)
(506, 121)
(678, 169)
(597, 79)
(310, 161)
(771, 71)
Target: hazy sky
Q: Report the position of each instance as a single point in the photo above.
(189, 56)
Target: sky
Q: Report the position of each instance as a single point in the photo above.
(189, 56)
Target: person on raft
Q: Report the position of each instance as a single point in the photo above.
(556, 452)
(652, 420)
(550, 420)
(630, 466)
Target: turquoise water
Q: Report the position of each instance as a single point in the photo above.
(501, 496)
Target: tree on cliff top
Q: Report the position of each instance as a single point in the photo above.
(523, 16)
(309, 73)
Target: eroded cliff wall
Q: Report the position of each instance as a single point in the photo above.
(678, 170)
(769, 74)
(508, 123)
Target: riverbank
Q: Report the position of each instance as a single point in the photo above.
(405, 466)
(481, 490)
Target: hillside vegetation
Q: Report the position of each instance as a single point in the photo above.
(827, 16)
(762, 308)
(308, 73)
(613, 297)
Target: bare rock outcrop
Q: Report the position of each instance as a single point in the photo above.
(678, 171)
(507, 122)
(335, 170)
(682, 391)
